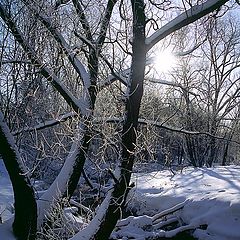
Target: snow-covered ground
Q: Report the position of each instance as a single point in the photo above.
(209, 202)
(6, 201)
(6, 194)
(212, 206)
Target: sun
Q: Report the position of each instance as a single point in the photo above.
(164, 61)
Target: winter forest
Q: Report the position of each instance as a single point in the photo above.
(119, 119)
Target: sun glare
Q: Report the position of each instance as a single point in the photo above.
(164, 61)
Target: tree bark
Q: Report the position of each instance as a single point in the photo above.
(135, 90)
(25, 222)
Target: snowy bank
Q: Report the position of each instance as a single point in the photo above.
(6, 194)
(214, 199)
(207, 200)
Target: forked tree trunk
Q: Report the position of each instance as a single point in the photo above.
(25, 222)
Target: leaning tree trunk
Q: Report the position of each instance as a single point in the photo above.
(25, 221)
(78, 160)
(135, 91)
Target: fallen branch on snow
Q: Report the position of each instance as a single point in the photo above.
(156, 217)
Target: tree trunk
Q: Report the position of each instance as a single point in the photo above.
(212, 144)
(135, 90)
(25, 222)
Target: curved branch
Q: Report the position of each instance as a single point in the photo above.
(58, 3)
(184, 19)
(47, 124)
(167, 127)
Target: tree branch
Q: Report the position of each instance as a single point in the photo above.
(47, 124)
(184, 19)
(105, 22)
(83, 19)
(173, 84)
(167, 127)
(58, 3)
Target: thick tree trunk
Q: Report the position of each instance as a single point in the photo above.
(25, 222)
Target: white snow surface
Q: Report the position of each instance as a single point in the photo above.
(6, 194)
(211, 197)
(6, 201)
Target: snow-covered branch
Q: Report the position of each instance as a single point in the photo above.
(47, 124)
(59, 187)
(175, 208)
(173, 84)
(122, 77)
(184, 19)
(146, 227)
(164, 126)
(90, 230)
(81, 206)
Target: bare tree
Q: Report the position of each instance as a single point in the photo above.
(222, 79)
